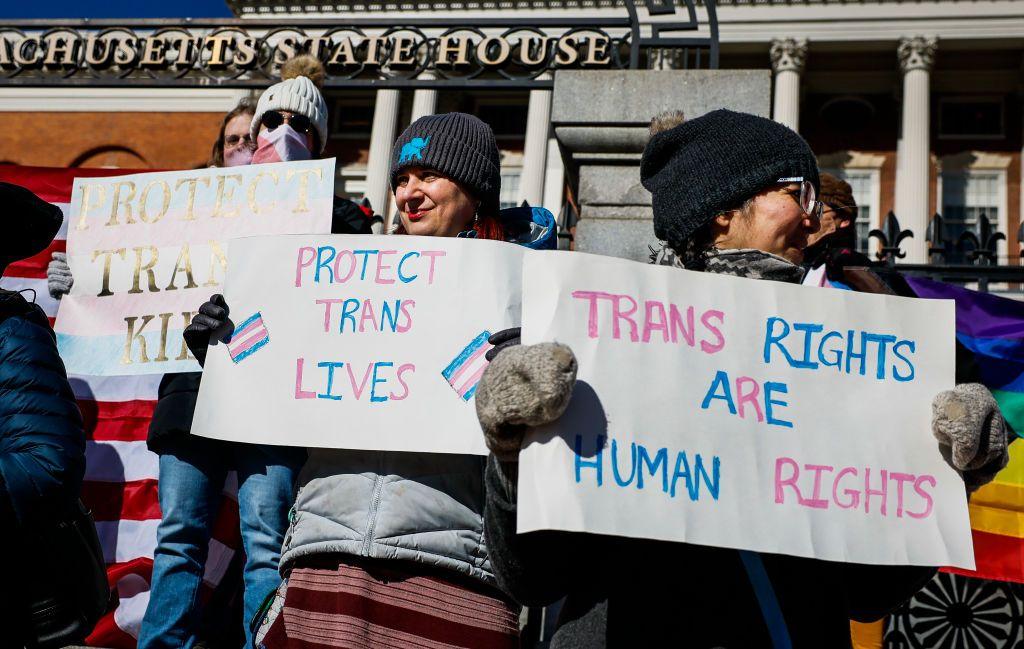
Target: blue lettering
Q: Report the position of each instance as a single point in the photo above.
(324, 263)
(711, 483)
(593, 464)
(771, 338)
(615, 464)
(882, 341)
(402, 276)
(660, 460)
(366, 256)
(838, 358)
(373, 383)
(348, 310)
(808, 329)
(721, 378)
(850, 354)
(330, 380)
(911, 345)
(769, 402)
(389, 314)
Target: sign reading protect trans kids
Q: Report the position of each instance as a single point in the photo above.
(146, 250)
(747, 414)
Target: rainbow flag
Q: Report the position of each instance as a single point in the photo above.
(992, 328)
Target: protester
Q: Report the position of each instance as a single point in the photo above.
(52, 597)
(191, 479)
(732, 194)
(386, 549)
(234, 145)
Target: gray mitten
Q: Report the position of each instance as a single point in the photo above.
(971, 432)
(526, 385)
(58, 276)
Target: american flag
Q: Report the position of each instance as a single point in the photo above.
(121, 473)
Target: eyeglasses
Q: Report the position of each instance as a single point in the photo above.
(272, 119)
(234, 140)
(806, 197)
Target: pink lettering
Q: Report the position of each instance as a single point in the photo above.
(788, 482)
(816, 500)
(407, 367)
(299, 392)
(358, 391)
(852, 493)
(381, 266)
(705, 319)
(655, 320)
(300, 264)
(432, 255)
(328, 303)
(750, 396)
(900, 479)
(929, 503)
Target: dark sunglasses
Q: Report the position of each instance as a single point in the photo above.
(272, 119)
(233, 140)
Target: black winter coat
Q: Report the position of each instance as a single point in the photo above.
(42, 445)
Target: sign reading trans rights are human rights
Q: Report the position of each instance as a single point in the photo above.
(748, 414)
(146, 250)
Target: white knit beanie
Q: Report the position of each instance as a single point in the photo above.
(298, 95)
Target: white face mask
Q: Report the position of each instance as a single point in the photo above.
(282, 144)
(238, 157)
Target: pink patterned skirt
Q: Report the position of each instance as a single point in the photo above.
(367, 604)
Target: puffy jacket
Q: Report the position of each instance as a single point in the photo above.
(425, 507)
(42, 445)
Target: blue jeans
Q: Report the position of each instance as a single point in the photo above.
(191, 479)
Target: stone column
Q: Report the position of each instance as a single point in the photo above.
(916, 56)
(382, 138)
(535, 151)
(788, 57)
(554, 177)
(424, 100)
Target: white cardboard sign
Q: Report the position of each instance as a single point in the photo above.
(358, 342)
(147, 249)
(738, 413)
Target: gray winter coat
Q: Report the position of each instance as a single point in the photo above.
(423, 507)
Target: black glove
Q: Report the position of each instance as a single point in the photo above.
(503, 340)
(212, 317)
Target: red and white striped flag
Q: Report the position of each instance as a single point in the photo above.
(120, 473)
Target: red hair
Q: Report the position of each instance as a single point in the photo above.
(488, 227)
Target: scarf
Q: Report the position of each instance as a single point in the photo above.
(746, 262)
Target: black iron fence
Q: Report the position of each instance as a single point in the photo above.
(964, 254)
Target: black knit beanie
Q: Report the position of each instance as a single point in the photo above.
(30, 223)
(460, 146)
(715, 162)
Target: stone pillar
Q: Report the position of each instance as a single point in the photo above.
(601, 119)
(424, 100)
(535, 151)
(554, 178)
(382, 138)
(916, 56)
(788, 57)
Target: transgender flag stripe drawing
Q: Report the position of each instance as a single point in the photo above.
(248, 338)
(464, 372)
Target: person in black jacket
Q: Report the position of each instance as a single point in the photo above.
(42, 445)
(732, 194)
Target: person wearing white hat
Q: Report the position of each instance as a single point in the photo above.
(291, 116)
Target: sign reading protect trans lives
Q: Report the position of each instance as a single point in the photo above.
(748, 414)
(358, 342)
(147, 250)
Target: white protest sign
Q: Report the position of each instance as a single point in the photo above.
(358, 342)
(748, 414)
(146, 250)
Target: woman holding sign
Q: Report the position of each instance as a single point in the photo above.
(733, 194)
(387, 549)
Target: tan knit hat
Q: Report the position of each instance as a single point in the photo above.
(299, 95)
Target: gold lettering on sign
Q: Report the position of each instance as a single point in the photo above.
(135, 337)
(245, 52)
(344, 55)
(144, 201)
(60, 51)
(98, 52)
(403, 51)
(253, 207)
(184, 355)
(105, 288)
(373, 50)
(567, 52)
(33, 55)
(152, 53)
(148, 268)
(183, 265)
(115, 207)
(226, 194)
(485, 48)
(533, 51)
(597, 51)
(6, 61)
(449, 45)
(165, 322)
(216, 256)
(218, 45)
(303, 175)
(190, 214)
(86, 205)
(125, 53)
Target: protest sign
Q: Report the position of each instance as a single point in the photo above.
(146, 250)
(747, 414)
(358, 342)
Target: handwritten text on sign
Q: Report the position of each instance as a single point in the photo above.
(739, 413)
(358, 342)
(146, 250)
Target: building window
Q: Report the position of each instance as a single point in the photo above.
(968, 194)
(509, 186)
(863, 182)
(971, 118)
